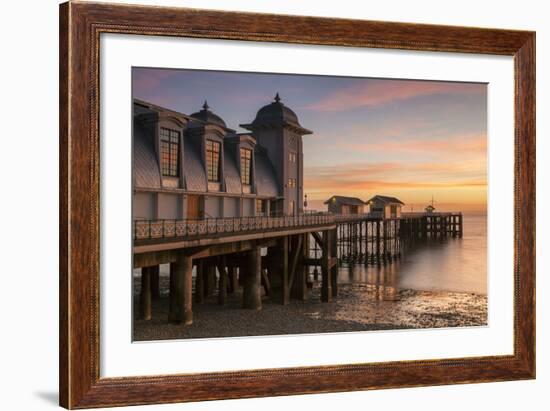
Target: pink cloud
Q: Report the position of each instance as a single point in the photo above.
(146, 80)
(380, 92)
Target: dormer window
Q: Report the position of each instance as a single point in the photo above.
(169, 151)
(213, 160)
(246, 159)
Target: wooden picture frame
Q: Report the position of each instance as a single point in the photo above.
(80, 27)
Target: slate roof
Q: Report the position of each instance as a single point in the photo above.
(387, 200)
(231, 171)
(193, 169)
(146, 170)
(346, 200)
(266, 180)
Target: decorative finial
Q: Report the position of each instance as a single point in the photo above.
(277, 98)
(205, 105)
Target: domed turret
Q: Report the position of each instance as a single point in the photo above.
(208, 117)
(278, 132)
(276, 111)
(276, 114)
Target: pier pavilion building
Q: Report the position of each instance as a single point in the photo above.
(196, 167)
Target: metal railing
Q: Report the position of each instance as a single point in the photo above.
(174, 228)
(361, 216)
(154, 229)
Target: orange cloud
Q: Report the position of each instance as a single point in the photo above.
(459, 181)
(380, 92)
(457, 145)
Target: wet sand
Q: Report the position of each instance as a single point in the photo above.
(358, 307)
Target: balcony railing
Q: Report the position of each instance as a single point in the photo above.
(155, 229)
(361, 216)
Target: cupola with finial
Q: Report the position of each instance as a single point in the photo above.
(276, 114)
(208, 116)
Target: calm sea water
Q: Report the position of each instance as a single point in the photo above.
(452, 265)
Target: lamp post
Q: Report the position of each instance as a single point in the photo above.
(305, 204)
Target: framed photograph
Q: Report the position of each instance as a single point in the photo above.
(258, 205)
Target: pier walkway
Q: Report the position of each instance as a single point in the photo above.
(272, 254)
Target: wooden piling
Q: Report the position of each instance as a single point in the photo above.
(222, 283)
(326, 286)
(209, 277)
(297, 271)
(233, 280)
(145, 307)
(252, 282)
(278, 271)
(199, 282)
(181, 297)
(334, 262)
(155, 282)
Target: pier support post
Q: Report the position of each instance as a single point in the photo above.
(209, 277)
(233, 280)
(145, 310)
(155, 282)
(377, 228)
(298, 273)
(222, 284)
(199, 283)
(182, 293)
(278, 271)
(334, 268)
(252, 297)
(326, 286)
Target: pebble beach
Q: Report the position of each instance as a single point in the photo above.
(358, 307)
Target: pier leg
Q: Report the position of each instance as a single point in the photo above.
(145, 296)
(326, 286)
(377, 228)
(199, 283)
(181, 298)
(233, 280)
(155, 282)
(252, 281)
(334, 268)
(209, 278)
(278, 272)
(222, 284)
(298, 274)
(172, 293)
(266, 284)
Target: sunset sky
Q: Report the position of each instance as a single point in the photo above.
(404, 138)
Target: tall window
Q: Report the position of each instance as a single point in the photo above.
(291, 207)
(213, 160)
(292, 157)
(260, 207)
(292, 182)
(246, 159)
(169, 151)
